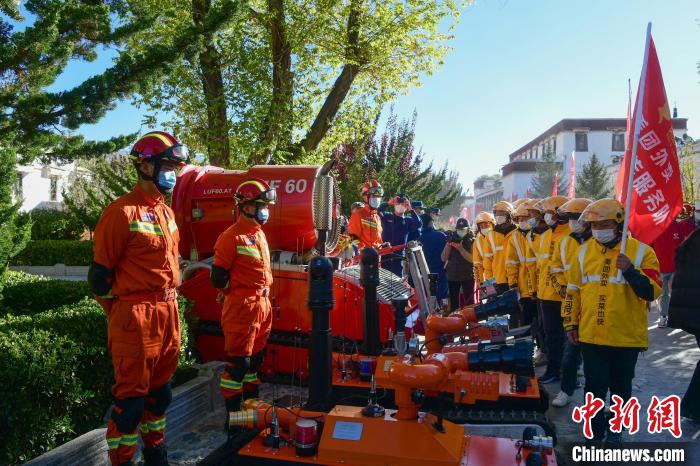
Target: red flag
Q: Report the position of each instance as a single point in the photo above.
(556, 182)
(572, 177)
(657, 194)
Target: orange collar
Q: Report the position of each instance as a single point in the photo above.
(150, 200)
(246, 226)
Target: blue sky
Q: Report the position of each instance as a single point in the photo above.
(516, 68)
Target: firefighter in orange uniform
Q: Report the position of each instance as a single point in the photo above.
(365, 224)
(134, 274)
(242, 272)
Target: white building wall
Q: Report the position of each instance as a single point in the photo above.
(36, 185)
(517, 183)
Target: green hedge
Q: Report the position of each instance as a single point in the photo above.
(40, 392)
(81, 329)
(29, 294)
(52, 252)
(52, 224)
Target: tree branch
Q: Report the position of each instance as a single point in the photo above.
(274, 133)
(340, 88)
(218, 144)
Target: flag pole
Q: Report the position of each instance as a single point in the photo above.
(638, 117)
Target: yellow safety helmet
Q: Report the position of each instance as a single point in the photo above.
(553, 203)
(604, 209)
(535, 204)
(485, 217)
(522, 210)
(504, 206)
(574, 206)
(520, 202)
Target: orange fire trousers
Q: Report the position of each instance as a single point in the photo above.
(144, 341)
(246, 321)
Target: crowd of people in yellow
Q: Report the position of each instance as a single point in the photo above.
(581, 294)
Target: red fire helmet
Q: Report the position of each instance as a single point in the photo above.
(162, 146)
(372, 188)
(255, 190)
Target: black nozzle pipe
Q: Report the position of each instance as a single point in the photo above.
(512, 358)
(400, 313)
(369, 279)
(506, 303)
(320, 341)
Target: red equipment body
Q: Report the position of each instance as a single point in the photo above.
(204, 208)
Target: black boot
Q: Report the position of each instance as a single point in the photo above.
(253, 392)
(157, 456)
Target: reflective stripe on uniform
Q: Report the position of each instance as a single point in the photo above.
(517, 248)
(640, 255)
(555, 269)
(478, 247)
(251, 377)
(582, 255)
(571, 286)
(145, 227)
(230, 384)
(172, 226)
(590, 278)
(127, 440)
(562, 252)
(153, 426)
(249, 251)
(369, 223)
(490, 238)
(510, 262)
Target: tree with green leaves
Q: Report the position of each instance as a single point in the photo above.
(393, 160)
(546, 171)
(594, 180)
(290, 79)
(689, 169)
(88, 196)
(13, 237)
(38, 123)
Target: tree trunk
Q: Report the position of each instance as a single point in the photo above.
(276, 132)
(218, 145)
(340, 88)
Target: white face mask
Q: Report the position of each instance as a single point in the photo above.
(501, 219)
(532, 222)
(461, 233)
(399, 209)
(576, 226)
(374, 202)
(525, 225)
(485, 231)
(549, 219)
(604, 236)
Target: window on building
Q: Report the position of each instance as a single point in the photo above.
(618, 142)
(581, 142)
(53, 190)
(554, 146)
(19, 186)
